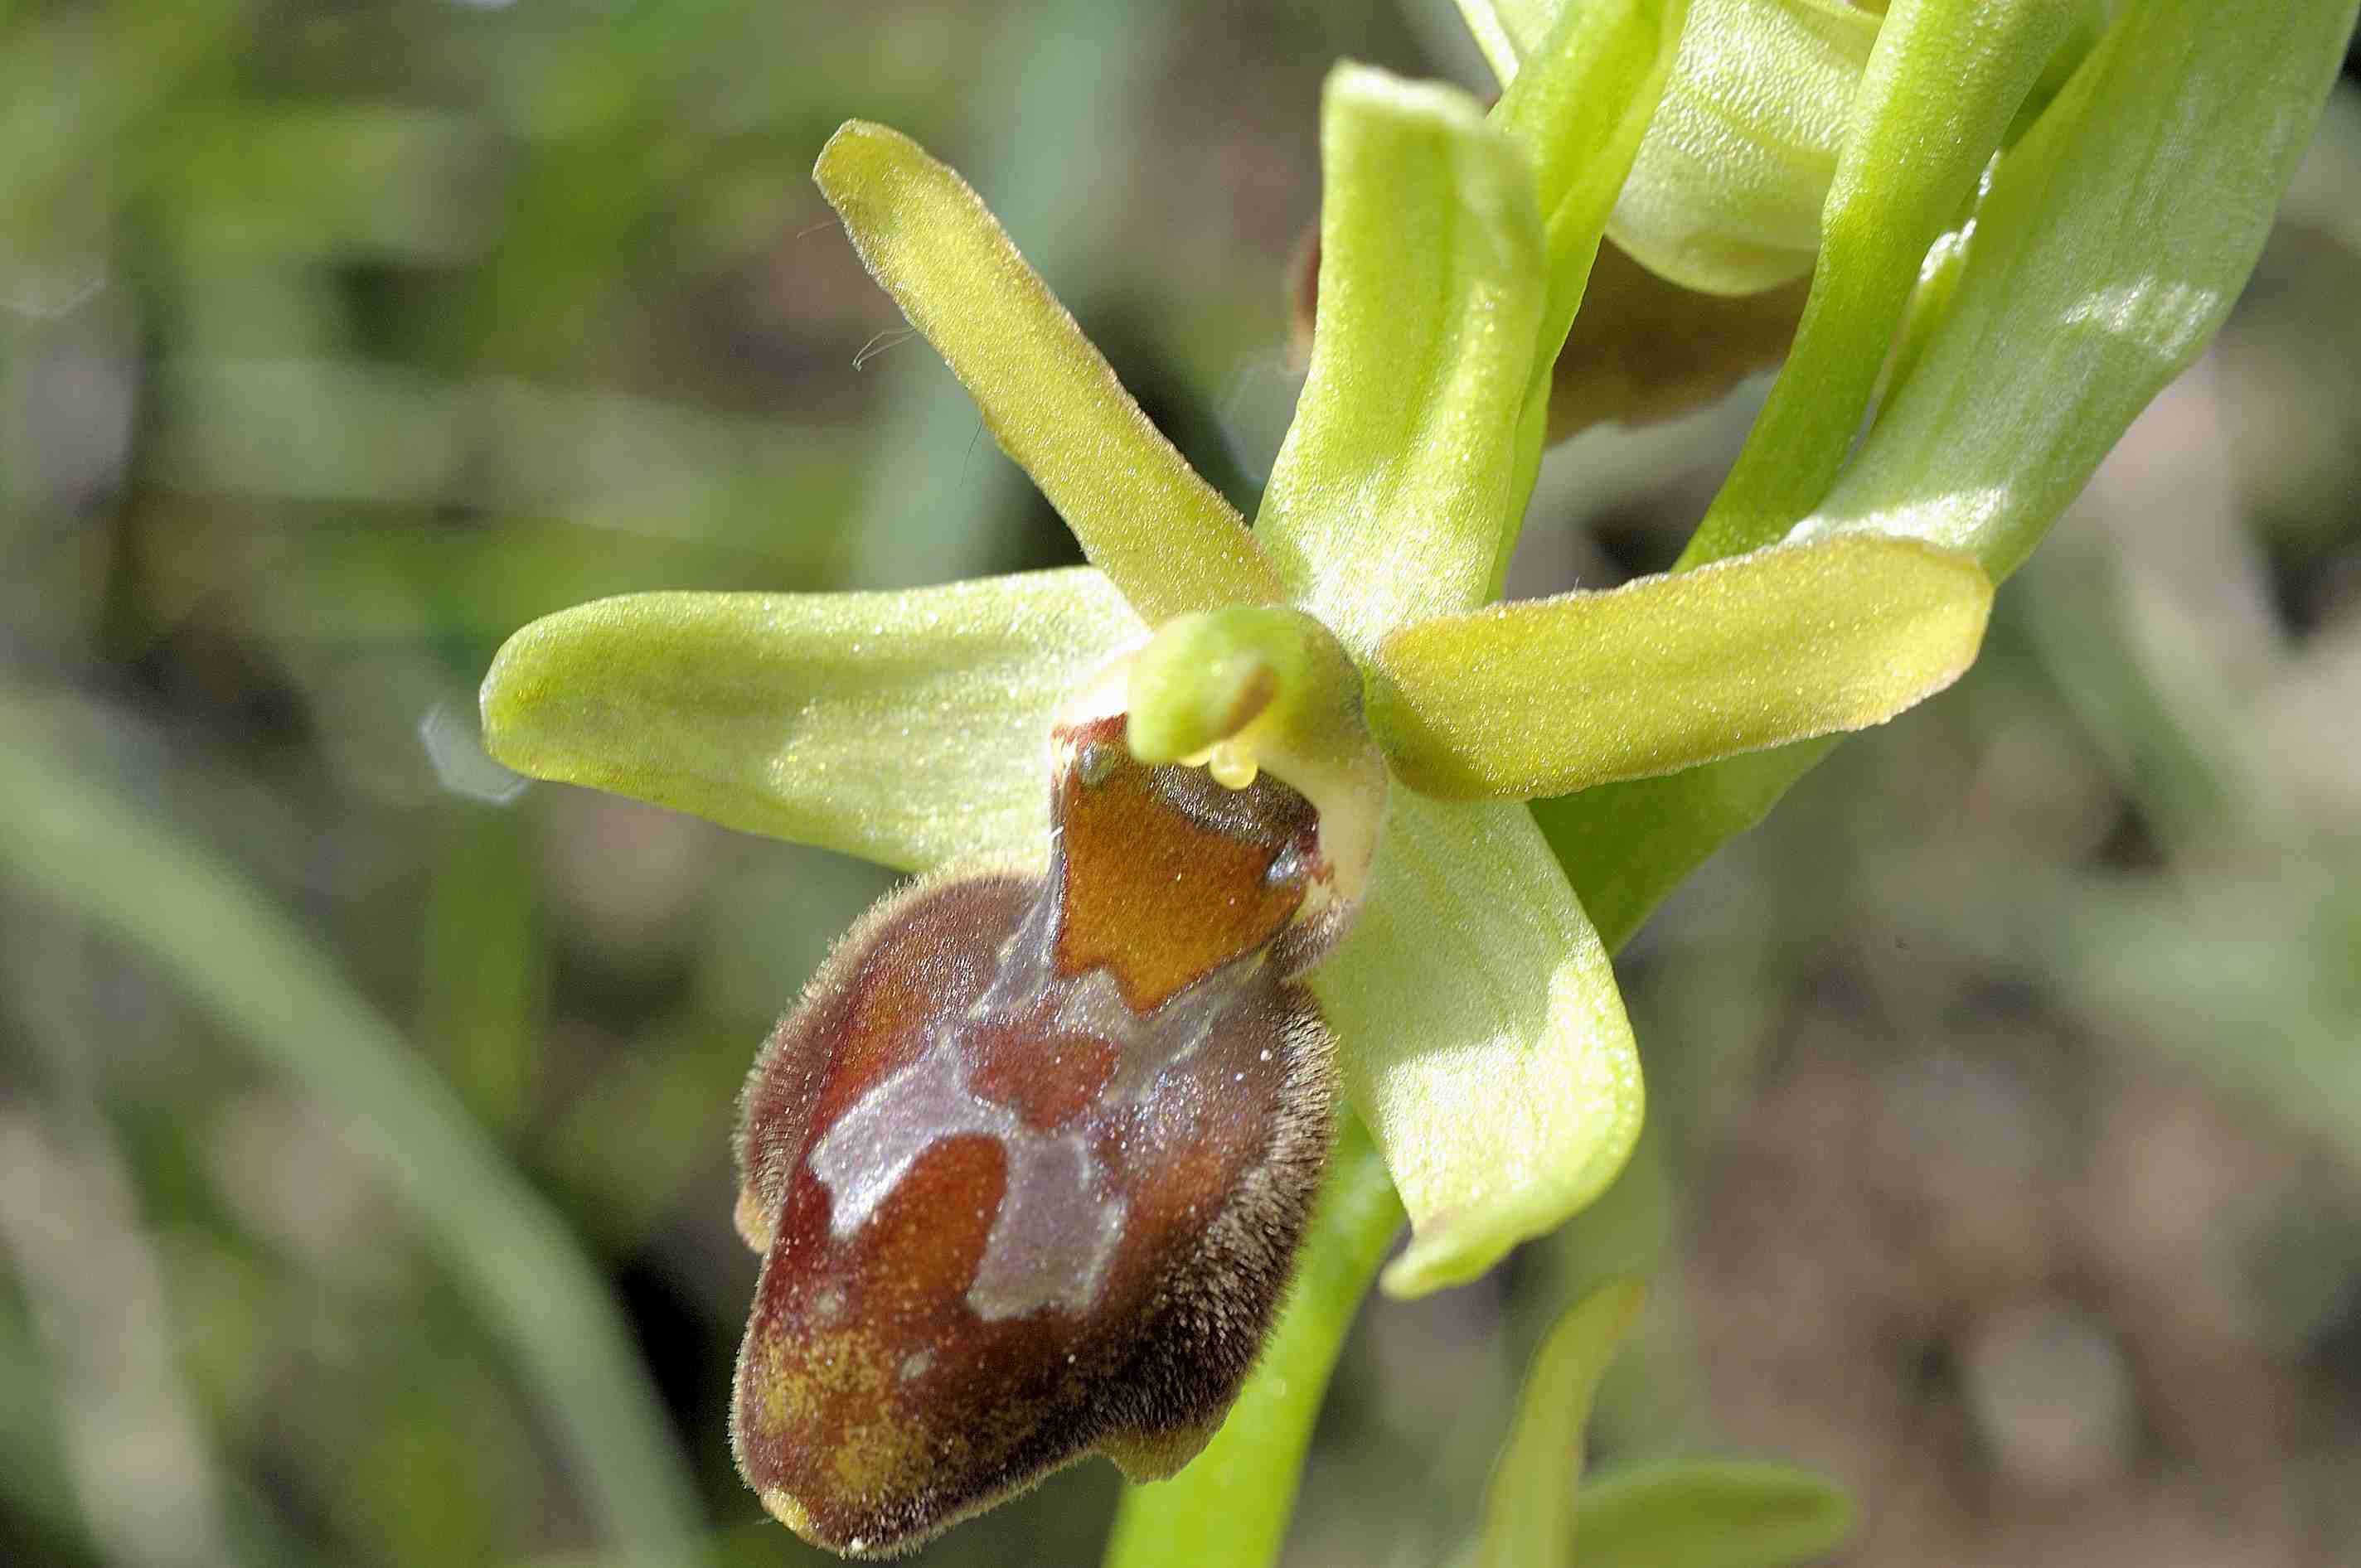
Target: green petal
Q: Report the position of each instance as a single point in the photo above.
(1710, 1513)
(2112, 243)
(1391, 498)
(1481, 1035)
(908, 727)
(1579, 110)
(1941, 88)
(1552, 695)
(1164, 536)
(1529, 1506)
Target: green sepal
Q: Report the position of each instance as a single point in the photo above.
(907, 728)
(1547, 697)
(1528, 1516)
(1942, 84)
(1390, 497)
(1163, 535)
(1481, 1036)
(1709, 1513)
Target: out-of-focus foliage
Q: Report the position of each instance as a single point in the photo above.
(336, 342)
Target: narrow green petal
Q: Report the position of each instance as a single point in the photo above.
(908, 727)
(1726, 195)
(1391, 498)
(1551, 695)
(2114, 240)
(1578, 110)
(1710, 1513)
(1164, 536)
(1943, 85)
(1482, 1037)
(1529, 1517)
(2114, 236)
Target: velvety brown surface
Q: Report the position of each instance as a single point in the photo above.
(890, 1382)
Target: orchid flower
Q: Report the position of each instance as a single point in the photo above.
(1344, 651)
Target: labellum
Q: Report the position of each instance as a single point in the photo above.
(1031, 1163)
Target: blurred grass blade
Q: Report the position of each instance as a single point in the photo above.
(2112, 242)
(1232, 1504)
(2115, 237)
(1529, 1517)
(1390, 497)
(907, 728)
(1710, 1513)
(1163, 535)
(1481, 1037)
(74, 838)
(1551, 695)
(1941, 87)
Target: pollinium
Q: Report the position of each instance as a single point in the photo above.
(1030, 1164)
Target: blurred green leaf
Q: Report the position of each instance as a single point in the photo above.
(905, 727)
(1390, 497)
(1528, 1516)
(1707, 1513)
(1161, 534)
(75, 839)
(1547, 697)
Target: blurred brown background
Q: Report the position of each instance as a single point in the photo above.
(360, 1105)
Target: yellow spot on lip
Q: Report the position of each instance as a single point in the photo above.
(790, 1513)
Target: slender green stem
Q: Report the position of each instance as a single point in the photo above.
(1231, 1505)
(72, 837)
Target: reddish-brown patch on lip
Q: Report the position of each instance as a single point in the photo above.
(1167, 874)
(1046, 1078)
